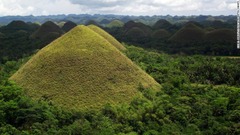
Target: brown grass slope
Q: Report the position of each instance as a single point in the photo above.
(82, 70)
(189, 33)
(107, 36)
(47, 29)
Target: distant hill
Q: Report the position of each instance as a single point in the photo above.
(221, 35)
(19, 25)
(115, 23)
(47, 30)
(105, 21)
(193, 22)
(82, 70)
(15, 26)
(136, 34)
(136, 31)
(131, 24)
(189, 33)
(68, 26)
(107, 36)
(218, 24)
(92, 22)
(162, 24)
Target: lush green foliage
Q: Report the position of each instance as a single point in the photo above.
(179, 108)
(15, 41)
(194, 69)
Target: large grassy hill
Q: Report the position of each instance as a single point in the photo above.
(82, 70)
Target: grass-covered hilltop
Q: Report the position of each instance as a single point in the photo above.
(82, 70)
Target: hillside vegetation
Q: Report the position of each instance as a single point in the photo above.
(82, 70)
(195, 98)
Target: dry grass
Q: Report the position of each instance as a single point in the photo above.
(107, 36)
(82, 70)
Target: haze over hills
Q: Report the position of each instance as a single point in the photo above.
(82, 70)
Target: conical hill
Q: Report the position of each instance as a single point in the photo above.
(189, 33)
(221, 35)
(162, 24)
(82, 70)
(107, 36)
(68, 26)
(48, 29)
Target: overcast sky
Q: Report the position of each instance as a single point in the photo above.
(120, 7)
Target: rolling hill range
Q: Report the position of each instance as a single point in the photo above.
(82, 70)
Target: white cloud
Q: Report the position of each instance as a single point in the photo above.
(125, 7)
